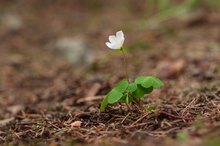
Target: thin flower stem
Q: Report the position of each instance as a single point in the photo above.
(125, 64)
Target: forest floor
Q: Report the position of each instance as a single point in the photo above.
(45, 100)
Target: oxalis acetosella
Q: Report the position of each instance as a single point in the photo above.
(126, 91)
(116, 41)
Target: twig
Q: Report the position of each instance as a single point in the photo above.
(42, 131)
(174, 116)
(184, 110)
(216, 96)
(17, 135)
(128, 106)
(90, 98)
(3, 139)
(138, 120)
(125, 118)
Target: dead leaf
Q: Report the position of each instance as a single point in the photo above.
(76, 124)
(15, 109)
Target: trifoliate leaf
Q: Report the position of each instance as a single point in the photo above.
(148, 90)
(121, 86)
(139, 93)
(140, 79)
(131, 87)
(148, 82)
(157, 82)
(123, 99)
(114, 96)
(104, 104)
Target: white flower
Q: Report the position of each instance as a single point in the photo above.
(116, 41)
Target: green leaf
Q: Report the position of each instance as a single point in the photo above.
(123, 99)
(182, 136)
(126, 92)
(148, 90)
(139, 93)
(121, 86)
(104, 104)
(148, 82)
(157, 82)
(114, 96)
(131, 87)
(140, 79)
(151, 108)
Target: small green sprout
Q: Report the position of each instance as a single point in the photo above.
(126, 91)
(151, 108)
(182, 136)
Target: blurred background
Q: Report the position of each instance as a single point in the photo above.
(48, 44)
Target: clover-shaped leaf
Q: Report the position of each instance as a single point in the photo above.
(104, 104)
(121, 86)
(131, 87)
(139, 93)
(148, 81)
(157, 82)
(114, 96)
(127, 92)
(140, 79)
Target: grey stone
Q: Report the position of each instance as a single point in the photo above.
(12, 21)
(75, 50)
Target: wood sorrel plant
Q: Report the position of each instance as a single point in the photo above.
(126, 91)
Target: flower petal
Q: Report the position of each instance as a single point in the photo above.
(116, 46)
(116, 41)
(120, 44)
(113, 46)
(120, 35)
(112, 39)
(109, 45)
